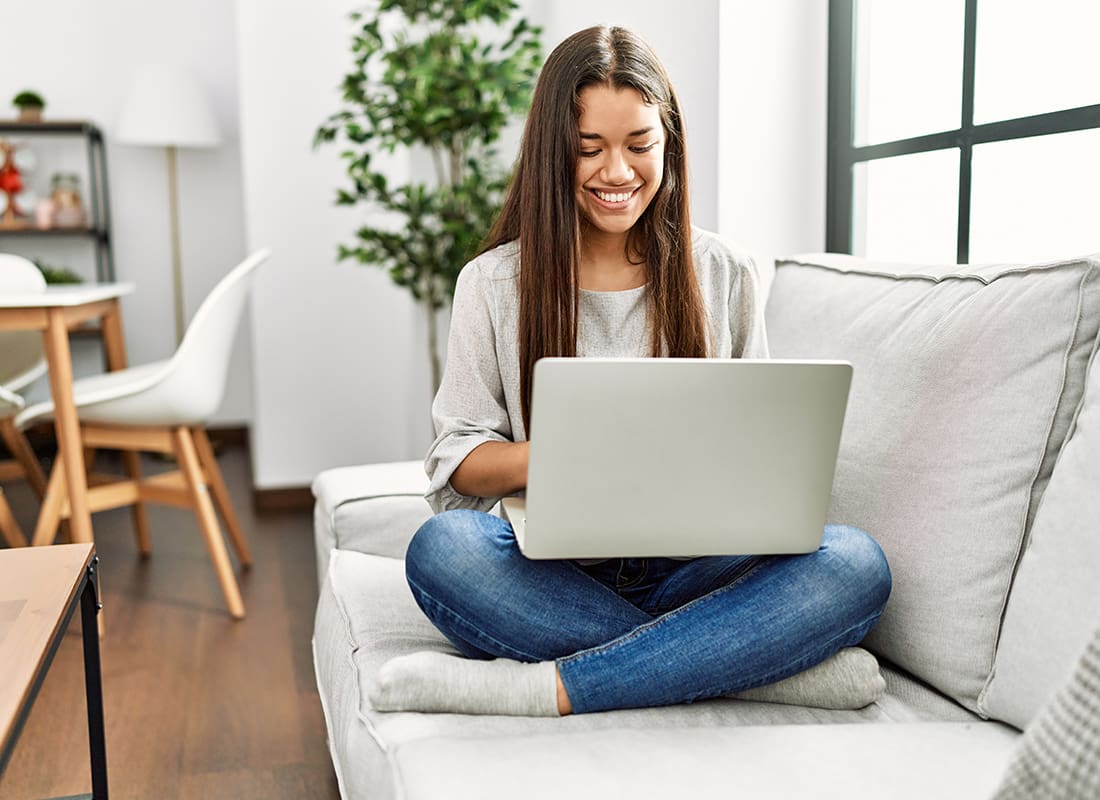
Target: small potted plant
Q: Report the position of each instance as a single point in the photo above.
(30, 105)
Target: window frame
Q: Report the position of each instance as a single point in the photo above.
(843, 155)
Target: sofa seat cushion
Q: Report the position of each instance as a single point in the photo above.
(966, 382)
(907, 761)
(366, 615)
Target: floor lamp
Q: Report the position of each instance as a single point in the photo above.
(166, 107)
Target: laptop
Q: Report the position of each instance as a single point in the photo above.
(648, 457)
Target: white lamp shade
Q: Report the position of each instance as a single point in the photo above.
(166, 106)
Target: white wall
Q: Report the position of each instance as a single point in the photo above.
(341, 372)
(79, 55)
(772, 126)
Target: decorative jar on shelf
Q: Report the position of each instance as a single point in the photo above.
(68, 207)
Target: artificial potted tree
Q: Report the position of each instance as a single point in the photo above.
(30, 105)
(438, 79)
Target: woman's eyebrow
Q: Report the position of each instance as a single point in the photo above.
(639, 132)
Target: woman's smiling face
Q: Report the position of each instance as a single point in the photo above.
(621, 161)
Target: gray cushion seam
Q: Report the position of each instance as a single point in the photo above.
(942, 278)
(360, 498)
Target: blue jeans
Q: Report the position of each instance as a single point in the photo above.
(639, 632)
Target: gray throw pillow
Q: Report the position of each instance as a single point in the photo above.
(1059, 753)
(967, 379)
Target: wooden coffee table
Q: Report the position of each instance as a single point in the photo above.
(40, 588)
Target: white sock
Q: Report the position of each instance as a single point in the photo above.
(438, 682)
(848, 679)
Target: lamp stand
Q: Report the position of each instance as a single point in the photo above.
(177, 268)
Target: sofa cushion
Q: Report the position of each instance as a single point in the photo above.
(966, 381)
(372, 508)
(908, 761)
(367, 615)
(1055, 601)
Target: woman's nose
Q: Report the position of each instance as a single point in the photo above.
(616, 170)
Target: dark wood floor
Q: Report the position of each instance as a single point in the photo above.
(196, 705)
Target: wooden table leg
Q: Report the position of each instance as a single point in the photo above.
(114, 345)
(114, 350)
(59, 359)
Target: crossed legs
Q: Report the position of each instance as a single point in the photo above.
(635, 633)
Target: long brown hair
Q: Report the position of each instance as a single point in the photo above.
(540, 208)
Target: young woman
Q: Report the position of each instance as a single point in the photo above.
(594, 255)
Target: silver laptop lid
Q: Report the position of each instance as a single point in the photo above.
(681, 457)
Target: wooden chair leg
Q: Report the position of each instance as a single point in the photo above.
(9, 525)
(50, 514)
(131, 462)
(208, 519)
(221, 495)
(20, 448)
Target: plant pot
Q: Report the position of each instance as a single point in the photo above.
(30, 114)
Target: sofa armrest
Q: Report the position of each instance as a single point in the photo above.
(374, 508)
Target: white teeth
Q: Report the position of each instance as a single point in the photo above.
(613, 198)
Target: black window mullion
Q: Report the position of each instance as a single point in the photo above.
(1052, 122)
(904, 147)
(966, 130)
(841, 154)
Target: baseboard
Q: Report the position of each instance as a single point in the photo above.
(279, 501)
(228, 435)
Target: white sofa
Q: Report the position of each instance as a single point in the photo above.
(971, 452)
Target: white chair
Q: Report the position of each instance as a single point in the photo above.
(22, 353)
(163, 407)
(22, 361)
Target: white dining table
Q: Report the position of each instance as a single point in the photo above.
(55, 312)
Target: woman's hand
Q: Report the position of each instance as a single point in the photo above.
(492, 469)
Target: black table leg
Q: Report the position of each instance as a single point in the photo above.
(93, 682)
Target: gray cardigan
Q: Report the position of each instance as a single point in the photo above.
(478, 400)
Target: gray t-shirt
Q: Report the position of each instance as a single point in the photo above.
(478, 400)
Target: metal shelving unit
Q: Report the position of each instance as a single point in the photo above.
(98, 230)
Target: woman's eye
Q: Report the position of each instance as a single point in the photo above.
(634, 149)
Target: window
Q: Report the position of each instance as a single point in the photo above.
(963, 130)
